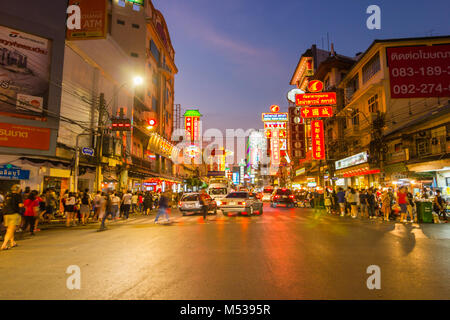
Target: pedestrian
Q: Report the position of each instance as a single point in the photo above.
(127, 201)
(70, 208)
(363, 201)
(41, 212)
(163, 207)
(140, 202)
(439, 205)
(386, 205)
(102, 206)
(341, 200)
(85, 206)
(64, 199)
(370, 203)
(148, 203)
(11, 216)
(203, 203)
(108, 210)
(410, 205)
(353, 198)
(134, 202)
(31, 205)
(115, 204)
(328, 201)
(402, 201)
(97, 204)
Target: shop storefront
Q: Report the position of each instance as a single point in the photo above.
(356, 172)
(433, 174)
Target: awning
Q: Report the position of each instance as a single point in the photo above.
(437, 165)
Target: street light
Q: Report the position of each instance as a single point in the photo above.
(138, 80)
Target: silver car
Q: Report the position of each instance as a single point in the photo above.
(190, 203)
(245, 203)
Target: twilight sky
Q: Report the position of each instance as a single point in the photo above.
(236, 57)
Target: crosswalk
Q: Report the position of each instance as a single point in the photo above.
(220, 219)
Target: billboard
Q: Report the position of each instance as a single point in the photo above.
(19, 136)
(317, 112)
(318, 142)
(315, 99)
(24, 74)
(297, 143)
(274, 117)
(419, 72)
(93, 20)
(354, 160)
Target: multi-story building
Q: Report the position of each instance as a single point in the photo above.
(378, 107)
(31, 68)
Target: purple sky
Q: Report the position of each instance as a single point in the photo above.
(236, 57)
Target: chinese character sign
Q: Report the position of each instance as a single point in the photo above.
(317, 137)
(317, 112)
(195, 130)
(275, 148)
(188, 128)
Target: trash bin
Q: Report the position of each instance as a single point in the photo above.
(424, 211)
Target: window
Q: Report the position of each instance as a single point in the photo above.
(120, 22)
(155, 52)
(371, 67)
(134, 25)
(343, 75)
(134, 55)
(397, 147)
(373, 103)
(327, 83)
(154, 104)
(355, 117)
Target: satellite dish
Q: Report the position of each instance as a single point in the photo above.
(291, 94)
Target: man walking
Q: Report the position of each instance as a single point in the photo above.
(341, 200)
(126, 201)
(163, 206)
(203, 203)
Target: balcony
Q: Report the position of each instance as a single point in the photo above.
(148, 165)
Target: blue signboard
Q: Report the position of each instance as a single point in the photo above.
(88, 151)
(236, 177)
(10, 172)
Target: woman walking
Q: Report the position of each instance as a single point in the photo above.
(148, 203)
(386, 205)
(11, 216)
(70, 208)
(31, 211)
(85, 207)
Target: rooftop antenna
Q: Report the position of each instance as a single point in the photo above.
(328, 42)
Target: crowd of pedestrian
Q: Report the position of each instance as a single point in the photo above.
(372, 203)
(23, 210)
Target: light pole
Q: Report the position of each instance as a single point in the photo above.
(77, 158)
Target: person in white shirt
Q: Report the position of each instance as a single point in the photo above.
(134, 202)
(115, 203)
(126, 201)
(97, 204)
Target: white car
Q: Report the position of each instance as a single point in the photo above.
(267, 194)
(242, 203)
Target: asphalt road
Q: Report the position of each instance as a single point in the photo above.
(283, 254)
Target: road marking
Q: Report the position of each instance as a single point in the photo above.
(418, 234)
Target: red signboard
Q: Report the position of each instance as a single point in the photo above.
(19, 136)
(315, 86)
(195, 130)
(318, 142)
(188, 127)
(275, 148)
(419, 72)
(315, 99)
(317, 112)
(274, 125)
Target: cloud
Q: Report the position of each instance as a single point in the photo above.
(198, 27)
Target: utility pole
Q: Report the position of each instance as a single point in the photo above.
(99, 147)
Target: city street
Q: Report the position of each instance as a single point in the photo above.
(283, 254)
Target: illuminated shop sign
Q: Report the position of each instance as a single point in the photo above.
(274, 117)
(315, 99)
(318, 142)
(317, 112)
(315, 86)
(352, 161)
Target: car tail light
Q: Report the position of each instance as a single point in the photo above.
(284, 189)
(241, 203)
(291, 196)
(277, 196)
(179, 204)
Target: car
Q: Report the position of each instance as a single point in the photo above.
(267, 194)
(282, 196)
(244, 203)
(190, 203)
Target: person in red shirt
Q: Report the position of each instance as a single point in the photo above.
(402, 200)
(31, 211)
